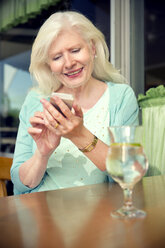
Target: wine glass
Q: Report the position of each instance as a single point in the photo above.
(126, 163)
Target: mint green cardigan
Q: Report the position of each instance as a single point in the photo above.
(123, 110)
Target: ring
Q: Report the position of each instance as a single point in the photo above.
(56, 125)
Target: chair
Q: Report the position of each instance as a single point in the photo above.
(5, 165)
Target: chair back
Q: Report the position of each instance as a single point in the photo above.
(5, 165)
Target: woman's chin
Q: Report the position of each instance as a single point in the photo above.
(73, 85)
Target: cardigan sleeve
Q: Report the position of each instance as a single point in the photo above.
(123, 105)
(24, 142)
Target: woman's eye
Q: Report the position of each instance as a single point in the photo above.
(76, 50)
(57, 57)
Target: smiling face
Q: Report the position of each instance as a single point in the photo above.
(71, 59)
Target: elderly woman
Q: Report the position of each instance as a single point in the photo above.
(58, 150)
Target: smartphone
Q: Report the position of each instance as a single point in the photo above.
(66, 98)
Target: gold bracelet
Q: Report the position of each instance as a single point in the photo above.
(91, 146)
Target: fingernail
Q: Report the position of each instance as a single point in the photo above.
(42, 100)
(39, 130)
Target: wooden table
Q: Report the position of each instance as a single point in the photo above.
(80, 217)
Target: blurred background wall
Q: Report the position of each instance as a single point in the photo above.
(134, 31)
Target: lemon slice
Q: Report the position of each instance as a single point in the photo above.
(126, 144)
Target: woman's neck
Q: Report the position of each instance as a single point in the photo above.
(87, 95)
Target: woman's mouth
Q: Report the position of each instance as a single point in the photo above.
(74, 73)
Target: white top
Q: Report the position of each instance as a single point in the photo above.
(69, 167)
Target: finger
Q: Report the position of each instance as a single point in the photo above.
(36, 120)
(49, 120)
(51, 109)
(63, 107)
(38, 114)
(51, 123)
(34, 130)
(52, 116)
(78, 110)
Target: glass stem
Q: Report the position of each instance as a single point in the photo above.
(128, 198)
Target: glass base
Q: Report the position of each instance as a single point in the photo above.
(124, 213)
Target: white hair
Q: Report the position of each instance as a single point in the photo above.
(39, 68)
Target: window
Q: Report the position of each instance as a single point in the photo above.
(15, 80)
(154, 35)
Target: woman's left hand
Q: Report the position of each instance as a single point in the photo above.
(69, 126)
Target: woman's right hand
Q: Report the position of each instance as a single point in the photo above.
(46, 140)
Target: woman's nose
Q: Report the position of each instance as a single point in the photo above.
(69, 61)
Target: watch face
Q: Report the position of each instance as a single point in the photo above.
(91, 146)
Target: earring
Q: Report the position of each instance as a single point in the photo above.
(95, 56)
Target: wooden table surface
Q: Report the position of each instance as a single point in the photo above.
(80, 217)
